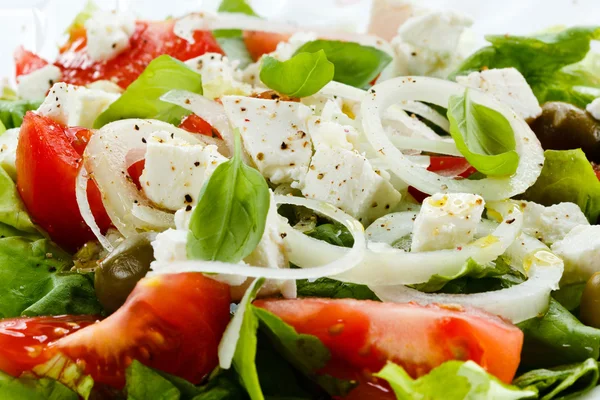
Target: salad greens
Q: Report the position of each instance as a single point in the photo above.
(230, 218)
(483, 136)
(142, 97)
(330, 288)
(301, 76)
(457, 380)
(547, 61)
(336, 234)
(355, 65)
(12, 211)
(577, 184)
(560, 382)
(80, 19)
(13, 111)
(12, 388)
(232, 6)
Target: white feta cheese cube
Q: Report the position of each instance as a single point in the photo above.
(347, 180)
(580, 250)
(170, 245)
(108, 34)
(594, 108)
(175, 171)
(274, 134)
(8, 151)
(35, 85)
(75, 105)
(446, 221)
(331, 134)
(551, 224)
(508, 86)
(220, 77)
(431, 43)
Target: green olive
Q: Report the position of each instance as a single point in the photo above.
(589, 309)
(119, 272)
(563, 126)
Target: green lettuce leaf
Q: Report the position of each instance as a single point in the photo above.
(235, 49)
(471, 269)
(483, 136)
(13, 111)
(453, 380)
(576, 184)
(546, 61)
(233, 6)
(12, 210)
(330, 288)
(569, 296)
(557, 338)
(12, 388)
(80, 19)
(142, 98)
(301, 76)
(336, 234)
(33, 281)
(145, 383)
(559, 382)
(355, 65)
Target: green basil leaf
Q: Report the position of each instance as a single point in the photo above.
(301, 76)
(576, 184)
(12, 388)
(32, 281)
(336, 234)
(557, 338)
(305, 352)
(230, 217)
(355, 65)
(13, 111)
(80, 19)
(559, 382)
(144, 383)
(453, 380)
(546, 61)
(142, 98)
(233, 6)
(483, 136)
(330, 288)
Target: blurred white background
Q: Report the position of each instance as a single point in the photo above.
(39, 24)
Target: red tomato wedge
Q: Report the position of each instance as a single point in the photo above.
(150, 40)
(445, 166)
(48, 160)
(171, 322)
(23, 340)
(365, 334)
(259, 43)
(26, 62)
(194, 124)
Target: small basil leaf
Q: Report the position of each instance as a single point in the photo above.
(355, 65)
(301, 76)
(483, 136)
(142, 97)
(230, 217)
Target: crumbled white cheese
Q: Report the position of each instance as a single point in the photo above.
(331, 134)
(8, 151)
(75, 105)
(431, 43)
(508, 86)
(551, 224)
(274, 134)
(347, 180)
(108, 34)
(447, 221)
(175, 171)
(594, 108)
(580, 250)
(170, 245)
(105, 86)
(220, 77)
(35, 85)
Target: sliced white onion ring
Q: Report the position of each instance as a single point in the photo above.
(383, 265)
(437, 91)
(517, 303)
(345, 263)
(433, 146)
(106, 158)
(391, 227)
(426, 112)
(81, 185)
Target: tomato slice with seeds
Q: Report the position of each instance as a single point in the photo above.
(363, 335)
(259, 43)
(457, 167)
(26, 62)
(194, 124)
(49, 156)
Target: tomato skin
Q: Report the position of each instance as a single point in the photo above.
(194, 124)
(170, 322)
(150, 40)
(259, 43)
(22, 340)
(26, 62)
(447, 166)
(47, 166)
(365, 334)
